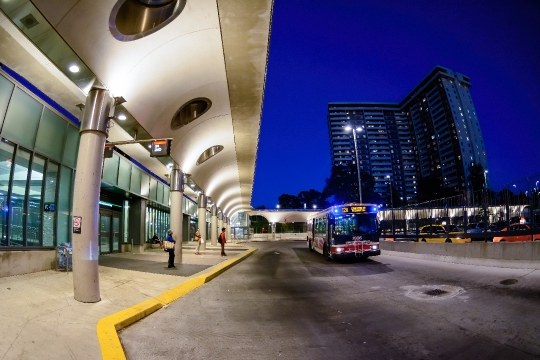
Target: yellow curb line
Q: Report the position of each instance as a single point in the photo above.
(107, 327)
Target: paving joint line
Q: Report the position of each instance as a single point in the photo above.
(107, 328)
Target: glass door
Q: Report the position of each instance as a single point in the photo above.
(116, 232)
(104, 233)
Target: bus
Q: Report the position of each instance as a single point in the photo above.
(350, 230)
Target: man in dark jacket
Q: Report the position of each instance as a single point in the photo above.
(171, 251)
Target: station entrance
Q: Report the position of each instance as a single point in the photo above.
(110, 231)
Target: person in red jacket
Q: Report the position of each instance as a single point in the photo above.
(222, 241)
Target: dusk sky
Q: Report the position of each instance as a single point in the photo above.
(356, 50)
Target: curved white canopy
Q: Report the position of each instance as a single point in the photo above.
(214, 49)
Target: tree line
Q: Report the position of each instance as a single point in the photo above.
(342, 187)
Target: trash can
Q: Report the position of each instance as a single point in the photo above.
(65, 256)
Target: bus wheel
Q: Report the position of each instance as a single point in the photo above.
(326, 253)
(310, 245)
(423, 240)
(448, 241)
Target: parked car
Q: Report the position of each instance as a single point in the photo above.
(427, 231)
(514, 238)
(475, 227)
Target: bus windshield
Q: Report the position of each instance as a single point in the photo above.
(348, 226)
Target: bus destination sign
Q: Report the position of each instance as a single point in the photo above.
(354, 209)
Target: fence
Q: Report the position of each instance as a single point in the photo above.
(517, 202)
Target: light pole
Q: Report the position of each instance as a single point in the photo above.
(354, 130)
(391, 202)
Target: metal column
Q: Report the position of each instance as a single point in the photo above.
(177, 194)
(214, 225)
(202, 203)
(93, 130)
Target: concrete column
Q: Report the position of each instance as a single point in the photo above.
(214, 226)
(202, 203)
(177, 217)
(220, 221)
(228, 228)
(93, 130)
(137, 225)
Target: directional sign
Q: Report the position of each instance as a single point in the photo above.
(160, 148)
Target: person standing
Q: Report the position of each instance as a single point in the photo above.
(222, 240)
(171, 251)
(198, 240)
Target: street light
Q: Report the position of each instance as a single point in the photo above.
(354, 130)
(277, 206)
(391, 203)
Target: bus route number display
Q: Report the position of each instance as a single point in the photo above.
(354, 209)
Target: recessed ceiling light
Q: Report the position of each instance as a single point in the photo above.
(122, 117)
(74, 68)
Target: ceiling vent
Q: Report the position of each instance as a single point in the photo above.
(208, 153)
(134, 19)
(190, 111)
(29, 21)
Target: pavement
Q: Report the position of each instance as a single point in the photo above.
(41, 320)
(286, 302)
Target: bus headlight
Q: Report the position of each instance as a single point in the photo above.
(339, 250)
(374, 247)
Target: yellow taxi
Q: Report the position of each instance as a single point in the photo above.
(427, 234)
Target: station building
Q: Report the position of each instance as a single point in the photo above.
(433, 134)
(178, 71)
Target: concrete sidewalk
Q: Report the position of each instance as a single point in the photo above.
(41, 320)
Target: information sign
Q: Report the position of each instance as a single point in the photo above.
(48, 207)
(108, 151)
(77, 224)
(160, 148)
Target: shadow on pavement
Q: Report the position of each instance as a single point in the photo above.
(317, 264)
(154, 267)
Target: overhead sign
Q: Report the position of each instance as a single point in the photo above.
(108, 151)
(160, 148)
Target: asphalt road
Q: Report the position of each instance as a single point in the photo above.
(285, 302)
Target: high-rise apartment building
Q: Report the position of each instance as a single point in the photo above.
(432, 134)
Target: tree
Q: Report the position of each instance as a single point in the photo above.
(430, 189)
(259, 224)
(287, 201)
(477, 176)
(342, 185)
(312, 197)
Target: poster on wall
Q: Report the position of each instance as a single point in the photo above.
(77, 222)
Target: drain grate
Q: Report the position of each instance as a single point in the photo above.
(508, 282)
(436, 292)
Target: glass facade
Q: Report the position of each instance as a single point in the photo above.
(38, 150)
(157, 221)
(38, 155)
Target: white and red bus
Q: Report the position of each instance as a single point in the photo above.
(350, 230)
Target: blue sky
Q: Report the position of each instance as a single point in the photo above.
(325, 51)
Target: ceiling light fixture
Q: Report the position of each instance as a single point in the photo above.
(122, 117)
(74, 69)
